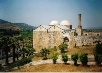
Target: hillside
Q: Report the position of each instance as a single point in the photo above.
(9, 26)
(15, 26)
(24, 26)
(3, 21)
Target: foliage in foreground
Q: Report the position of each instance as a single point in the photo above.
(98, 53)
(64, 58)
(84, 59)
(54, 57)
(62, 47)
(74, 57)
(98, 49)
(44, 52)
(22, 62)
(98, 58)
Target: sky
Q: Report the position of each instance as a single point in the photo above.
(42, 12)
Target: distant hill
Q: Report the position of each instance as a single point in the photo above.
(15, 26)
(24, 26)
(3, 21)
(9, 26)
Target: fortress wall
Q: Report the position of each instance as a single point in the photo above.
(87, 40)
(93, 33)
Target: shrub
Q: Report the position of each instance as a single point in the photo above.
(22, 62)
(74, 57)
(25, 61)
(54, 57)
(44, 52)
(84, 59)
(55, 49)
(64, 58)
(98, 59)
(98, 48)
(62, 47)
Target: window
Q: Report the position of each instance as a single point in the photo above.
(66, 39)
(97, 34)
(86, 34)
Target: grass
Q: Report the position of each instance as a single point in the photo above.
(79, 50)
(69, 51)
(84, 49)
(60, 68)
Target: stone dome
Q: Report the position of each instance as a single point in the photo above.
(54, 23)
(65, 22)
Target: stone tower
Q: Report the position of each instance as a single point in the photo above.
(79, 28)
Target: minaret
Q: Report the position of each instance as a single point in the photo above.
(79, 21)
(79, 29)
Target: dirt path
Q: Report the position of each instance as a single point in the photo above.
(59, 60)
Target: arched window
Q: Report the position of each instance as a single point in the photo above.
(66, 39)
(86, 34)
(97, 34)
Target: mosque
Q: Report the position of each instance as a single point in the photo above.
(55, 34)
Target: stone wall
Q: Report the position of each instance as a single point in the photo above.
(55, 39)
(42, 39)
(87, 40)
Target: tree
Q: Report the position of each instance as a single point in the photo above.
(98, 49)
(13, 46)
(74, 57)
(84, 59)
(98, 53)
(98, 59)
(23, 51)
(64, 58)
(14, 43)
(8, 43)
(62, 47)
(54, 57)
(29, 49)
(5, 45)
(44, 52)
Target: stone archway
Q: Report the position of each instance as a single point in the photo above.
(65, 40)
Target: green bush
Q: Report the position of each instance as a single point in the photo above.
(84, 59)
(64, 58)
(44, 52)
(74, 57)
(98, 49)
(54, 57)
(62, 47)
(30, 57)
(98, 59)
(22, 62)
(55, 48)
(25, 61)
